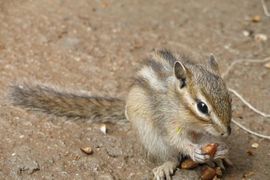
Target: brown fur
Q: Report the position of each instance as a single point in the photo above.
(61, 103)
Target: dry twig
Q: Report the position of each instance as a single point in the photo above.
(265, 8)
(250, 131)
(248, 104)
(242, 61)
(244, 101)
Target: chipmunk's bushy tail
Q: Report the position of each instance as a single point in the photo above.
(61, 103)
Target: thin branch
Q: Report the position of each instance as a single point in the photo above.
(248, 104)
(241, 61)
(250, 131)
(243, 100)
(266, 12)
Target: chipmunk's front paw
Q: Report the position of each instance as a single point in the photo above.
(222, 151)
(200, 156)
(164, 171)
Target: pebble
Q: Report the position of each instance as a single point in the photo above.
(255, 145)
(246, 33)
(260, 38)
(103, 128)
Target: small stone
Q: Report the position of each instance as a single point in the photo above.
(260, 38)
(246, 33)
(87, 150)
(21, 136)
(255, 145)
(103, 128)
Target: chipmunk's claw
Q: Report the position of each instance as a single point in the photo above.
(220, 163)
(164, 171)
(223, 163)
(222, 151)
(199, 156)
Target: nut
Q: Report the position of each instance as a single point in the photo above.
(87, 150)
(210, 149)
(188, 164)
(267, 65)
(256, 19)
(208, 174)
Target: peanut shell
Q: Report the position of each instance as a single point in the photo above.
(87, 150)
(188, 164)
(208, 174)
(210, 149)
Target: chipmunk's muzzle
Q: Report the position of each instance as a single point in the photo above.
(227, 133)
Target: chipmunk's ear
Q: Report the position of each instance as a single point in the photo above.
(212, 64)
(180, 73)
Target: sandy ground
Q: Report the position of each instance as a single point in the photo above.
(96, 46)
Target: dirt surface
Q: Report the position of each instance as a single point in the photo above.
(96, 46)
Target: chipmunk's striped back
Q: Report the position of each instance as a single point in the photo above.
(156, 70)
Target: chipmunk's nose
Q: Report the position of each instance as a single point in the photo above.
(227, 133)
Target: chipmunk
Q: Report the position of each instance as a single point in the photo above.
(175, 106)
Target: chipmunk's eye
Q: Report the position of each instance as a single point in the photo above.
(202, 107)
